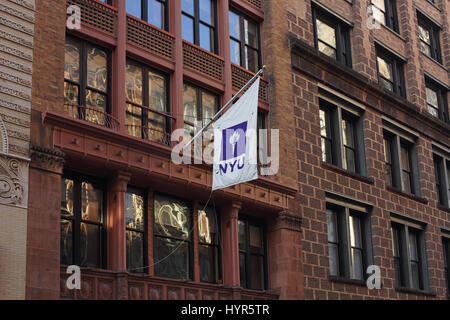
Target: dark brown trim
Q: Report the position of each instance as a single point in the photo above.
(415, 291)
(407, 195)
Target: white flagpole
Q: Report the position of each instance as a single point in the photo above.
(219, 113)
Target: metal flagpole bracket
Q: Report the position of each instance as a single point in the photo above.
(232, 100)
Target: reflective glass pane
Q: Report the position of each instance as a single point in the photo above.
(91, 203)
(242, 270)
(188, 28)
(323, 123)
(133, 83)
(251, 33)
(70, 93)
(172, 217)
(156, 13)
(327, 50)
(432, 98)
(424, 35)
(207, 263)
(234, 25)
(326, 33)
(134, 8)
(357, 264)
(433, 111)
(406, 180)
(395, 244)
(414, 254)
(67, 186)
(405, 157)
(386, 84)
(387, 151)
(156, 127)
(350, 159)
(379, 4)
(66, 242)
(72, 61)
(133, 121)
(206, 37)
(209, 106)
(134, 215)
(333, 254)
(332, 226)
(135, 251)
(207, 226)
(190, 103)
(251, 58)
(171, 258)
(97, 72)
(257, 272)
(90, 245)
(206, 11)
(384, 68)
(348, 130)
(96, 107)
(355, 232)
(235, 51)
(425, 48)
(242, 235)
(378, 15)
(157, 91)
(256, 240)
(188, 6)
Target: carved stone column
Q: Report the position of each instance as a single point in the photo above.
(284, 253)
(230, 240)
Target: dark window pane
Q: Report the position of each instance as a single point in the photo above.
(251, 33)
(188, 28)
(97, 71)
(242, 270)
(171, 258)
(256, 240)
(332, 226)
(133, 121)
(91, 203)
(350, 159)
(90, 245)
(207, 263)
(357, 265)
(156, 13)
(242, 235)
(257, 272)
(135, 251)
(66, 242)
(251, 58)
(67, 197)
(171, 217)
(134, 8)
(333, 253)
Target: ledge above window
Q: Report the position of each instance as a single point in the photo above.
(355, 282)
(414, 291)
(347, 173)
(407, 195)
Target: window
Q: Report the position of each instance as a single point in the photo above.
(244, 41)
(152, 11)
(385, 12)
(390, 73)
(442, 176)
(401, 163)
(429, 38)
(436, 96)
(252, 255)
(136, 235)
(147, 113)
(341, 135)
(446, 245)
(348, 241)
(408, 245)
(107, 1)
(86, 81)
(332, 38)
(209, 248)
(199, 105)
(172, 240)
(82, 222)
(199, 23)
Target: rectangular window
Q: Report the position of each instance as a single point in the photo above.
(209, 248)
(147, 112)
(82, 222)
(136, 235)
(171, 238)
(446, 245)
(252, 255)
(385, 12)
(409, 255)
(429, 38)
(152, 11)
(199, 106)
(199, 23)
(436, 96)
(401, 163)
(442, 178)
(332, 37)
(348, 241)
(390, 73)
(86, 81)
(341, 134)
(244, 41)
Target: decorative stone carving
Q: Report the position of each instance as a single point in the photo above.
(288, 220)
(13, 181)
(4, 147)
(47, 159)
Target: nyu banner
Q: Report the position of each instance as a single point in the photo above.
(235, 142)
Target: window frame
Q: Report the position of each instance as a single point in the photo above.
(398, 75)
(342, 36)
(143, 194)
(337, 113)
(83, 73)
(441, 93)
(197, 22)
(434, 32)
(446, 247)
(144, 13)
(78, 179)
(252, 221)
(404, 228)
(390, 15)
(241, 41)
(443, 170)
(343, 212)
(396, 142)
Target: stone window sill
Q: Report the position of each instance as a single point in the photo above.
(393, 32)
(415, 291)
(407, 195)
(443, 208)
(347, 173)
(361, 283)
(434, 61)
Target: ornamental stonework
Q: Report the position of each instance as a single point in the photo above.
(13, 181)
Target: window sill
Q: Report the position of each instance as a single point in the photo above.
(407, 195)
(443, 208)
(361, 283)
(434, 5)
(395, 33)
(347, 173)
(415, 291)
(434, 61)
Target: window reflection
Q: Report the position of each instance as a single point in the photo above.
(135, 231)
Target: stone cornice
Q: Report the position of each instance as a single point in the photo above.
(47, 159)
(288, 220)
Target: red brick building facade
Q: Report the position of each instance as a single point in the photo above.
(362, 109)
